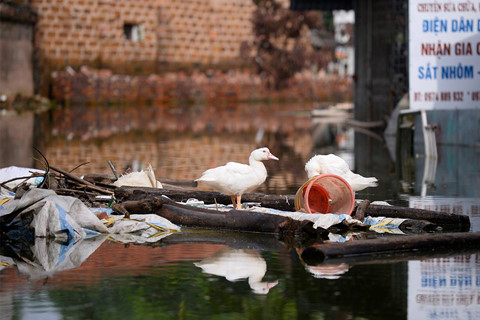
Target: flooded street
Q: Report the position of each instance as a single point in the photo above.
(205, 274)
(169, 89)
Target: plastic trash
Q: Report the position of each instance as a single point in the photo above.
(327, 193)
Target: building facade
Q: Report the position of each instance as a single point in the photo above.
(139, 36)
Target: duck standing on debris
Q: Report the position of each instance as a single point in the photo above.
(235, 179)
(332, 164)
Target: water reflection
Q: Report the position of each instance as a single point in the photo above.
(449, 183)
(328, 271)
(49, 256)
(45, 257)
(444, 288)
(169, 277)
(238, 264)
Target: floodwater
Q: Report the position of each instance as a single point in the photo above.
(210, 274)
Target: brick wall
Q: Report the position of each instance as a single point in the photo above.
(91, 32)
(102, 86)
(73, 32)
(203, 31)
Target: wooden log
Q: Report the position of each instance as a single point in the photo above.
(280, 202)
(448, 221)
(289, 230)
(232, 219)
(359, 213)
(155, 204)
(143, 206)
(396, 244)
(119, 209)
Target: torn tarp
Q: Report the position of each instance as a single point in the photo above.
(49, 215)
(43, 213)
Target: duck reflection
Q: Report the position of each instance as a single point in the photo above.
(238, 264)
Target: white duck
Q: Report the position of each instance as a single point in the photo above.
(332, 164)
(238, 264)
(235, 179)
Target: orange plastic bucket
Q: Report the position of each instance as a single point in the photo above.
(327, 193)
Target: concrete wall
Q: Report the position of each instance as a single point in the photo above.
(16, 131)
(16, 49)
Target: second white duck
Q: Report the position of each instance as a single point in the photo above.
(332, 164)
(235, 179)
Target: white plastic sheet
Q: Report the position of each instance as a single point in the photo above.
(11, 172)
(65, 217)
(53, 215)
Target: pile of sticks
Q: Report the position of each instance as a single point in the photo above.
(62, 182)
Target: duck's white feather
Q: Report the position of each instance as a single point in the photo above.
(236, 178)
(332, 164)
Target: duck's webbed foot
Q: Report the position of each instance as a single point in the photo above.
(233, 201)
(239, 202)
